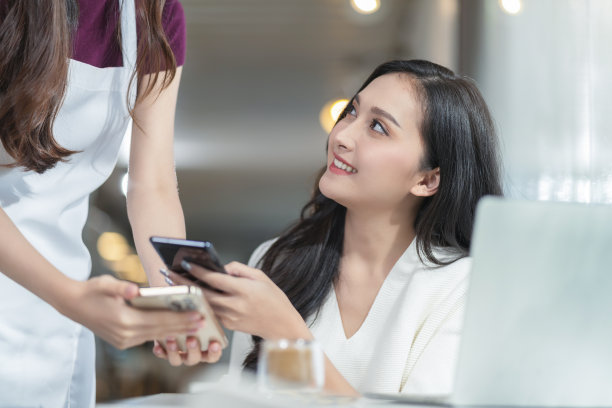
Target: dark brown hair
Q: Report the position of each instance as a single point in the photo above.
(36, 38)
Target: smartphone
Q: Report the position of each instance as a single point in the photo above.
(173, 251)
(181, 299)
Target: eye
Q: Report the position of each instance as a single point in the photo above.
(348, 112)
(378, 127)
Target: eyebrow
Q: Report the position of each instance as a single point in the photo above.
(376, 110)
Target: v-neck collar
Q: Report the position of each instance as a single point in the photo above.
(408, 257)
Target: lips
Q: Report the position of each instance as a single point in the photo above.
(342, 165)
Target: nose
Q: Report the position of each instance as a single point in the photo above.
(343, 136)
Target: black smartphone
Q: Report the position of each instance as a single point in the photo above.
(173, 251)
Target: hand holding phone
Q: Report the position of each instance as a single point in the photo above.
(183, 298)
(173, 251)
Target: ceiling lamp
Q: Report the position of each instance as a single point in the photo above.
(365, 6)
(511, 6)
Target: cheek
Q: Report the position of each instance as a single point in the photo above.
(392, 171)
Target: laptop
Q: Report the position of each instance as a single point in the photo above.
(538, 320)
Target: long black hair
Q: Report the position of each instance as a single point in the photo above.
(459, 137)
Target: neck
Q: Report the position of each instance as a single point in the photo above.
(376, 240)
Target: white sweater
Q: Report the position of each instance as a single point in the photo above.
(409, 340)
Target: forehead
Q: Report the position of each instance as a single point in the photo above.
(396, 94)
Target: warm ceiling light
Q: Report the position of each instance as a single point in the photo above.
(366, 6)
(130, 268)
(112, 246)
(330, 113)
(511, 6)
(337, 107)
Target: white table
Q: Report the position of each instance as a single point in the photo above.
(216, 395)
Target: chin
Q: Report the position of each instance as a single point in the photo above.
(330, 192)
(324, 185)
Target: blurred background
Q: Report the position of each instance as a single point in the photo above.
(260, 84)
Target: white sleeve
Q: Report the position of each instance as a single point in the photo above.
(430, 368)
(242, 343)
(259, 252)
(241, 346)
(433, 373)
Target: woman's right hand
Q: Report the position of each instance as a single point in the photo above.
(100, 305)
(192, 356)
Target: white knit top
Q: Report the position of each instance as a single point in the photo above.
(409, 340)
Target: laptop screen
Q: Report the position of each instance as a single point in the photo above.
(538, 322)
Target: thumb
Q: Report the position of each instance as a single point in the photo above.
(125, 289)
(129, 290)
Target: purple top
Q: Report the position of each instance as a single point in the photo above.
(96, 44)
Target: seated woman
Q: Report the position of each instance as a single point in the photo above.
(376, 268)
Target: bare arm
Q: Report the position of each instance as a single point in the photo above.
(152, 200)
(98, 303)
(37, 274)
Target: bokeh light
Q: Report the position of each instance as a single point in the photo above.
(365, 6)
(112, 246)
(330, 113)
(511, 6)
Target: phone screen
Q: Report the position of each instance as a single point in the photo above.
(173, 251)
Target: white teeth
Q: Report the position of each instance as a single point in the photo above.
(344, 166)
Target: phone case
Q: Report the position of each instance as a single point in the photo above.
(183, 298)
(173, 250)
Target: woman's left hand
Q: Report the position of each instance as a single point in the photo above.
(250, 302)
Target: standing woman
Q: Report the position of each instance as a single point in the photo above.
(73, 75)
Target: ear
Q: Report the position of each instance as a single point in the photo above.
(428, 184)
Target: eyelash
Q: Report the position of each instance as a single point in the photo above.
(374, 122)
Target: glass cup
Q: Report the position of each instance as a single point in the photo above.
(293, 366)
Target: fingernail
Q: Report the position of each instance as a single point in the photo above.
(186, 266)
(192, 344)
(215, 348)
(172, 346)
(169, 281)
(164, 272)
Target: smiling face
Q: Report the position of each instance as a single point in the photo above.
(375, 152)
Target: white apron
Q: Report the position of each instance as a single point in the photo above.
(46, 359)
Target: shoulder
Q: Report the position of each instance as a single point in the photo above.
(414, 262)
(173, 22)
(260, 251)
(459, 267)
(455, 275)
(434, 284)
